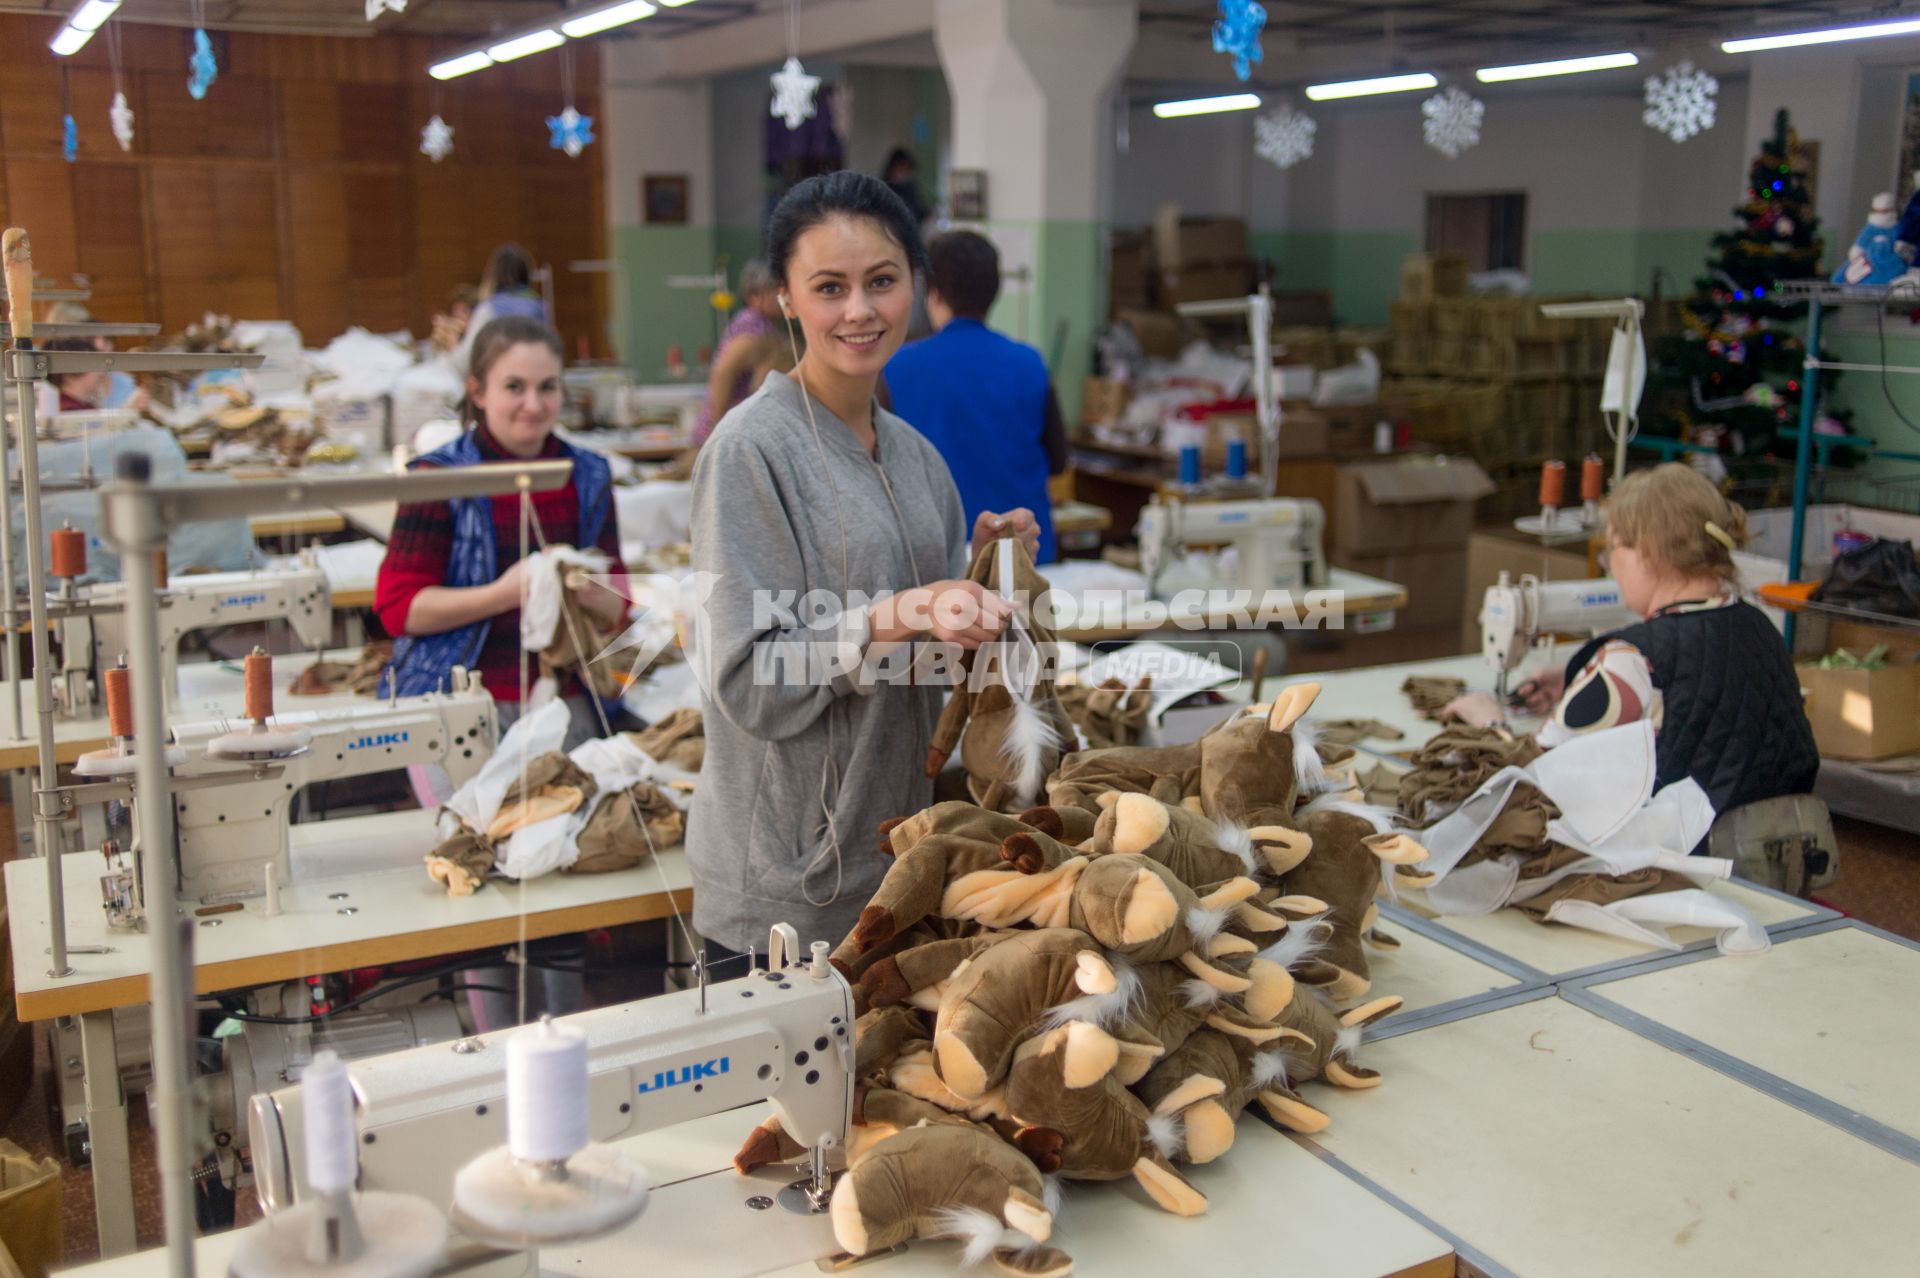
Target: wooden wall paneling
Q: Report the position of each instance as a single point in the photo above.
(374, 122)
(316, 205)
(109, 219)
(496, 119)
(30, 108)
(379, 252)
(246, 230)
(92, 94)
(308, 120)
(41, 200)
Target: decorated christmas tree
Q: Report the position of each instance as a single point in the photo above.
(1730, 378)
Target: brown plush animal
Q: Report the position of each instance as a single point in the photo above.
(1248, 768)
(1350, 842)
(948, 1180)
(1168, 773)
(1195, 848)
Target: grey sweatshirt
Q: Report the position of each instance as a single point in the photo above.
(798, 750)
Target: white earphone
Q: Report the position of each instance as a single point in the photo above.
(784, 308)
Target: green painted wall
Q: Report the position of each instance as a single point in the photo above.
(660, 316)
(1866, 396)
(1362, 268)
(737, 244)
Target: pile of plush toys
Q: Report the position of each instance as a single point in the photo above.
(1095, 987)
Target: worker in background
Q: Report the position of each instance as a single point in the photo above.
(450, 587)
(506, 289)
(745, 347)
(809, 488)
(901, 174)
(982, 398)
(77, 392)
(1705, 666)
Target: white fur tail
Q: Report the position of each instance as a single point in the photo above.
(1199, 996)
(1053, 1191)
(1232, 838)
(1309, 769)
(1165, 1135)
(980, 1234)
(1266, 1070)
(1030, 737)
(1348, 1041)
(1105, 1010)
(1205, 924)
(1300, 942)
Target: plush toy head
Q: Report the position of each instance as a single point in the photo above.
(941, 1181)
(1027, 982)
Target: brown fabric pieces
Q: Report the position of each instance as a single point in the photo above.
(1430, 693)
(626, 829)
(679, 740)
(362, 678)
(1348, 732)
(551, 786)
(604, 679)
(1604, 889)
(1454, 764)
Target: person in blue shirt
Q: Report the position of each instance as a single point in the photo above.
(983, 399)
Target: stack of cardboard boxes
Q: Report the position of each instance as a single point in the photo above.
(1406, 519)
(1493, 378)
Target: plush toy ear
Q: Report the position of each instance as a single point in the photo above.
(1087, 1054)
(1209, 1131)
(1107, 798)
(1028, 1214)
(1217, 977)
(1284, 1106)
(1395, 849)
(1168, 1188)
(1382, 940)
(1405, 878)
(1218, 896)
(1138, 823)
(1033, 1262)
(1192, 804)
(1292, 702)
(1252, 918)
(1272, 990)
(1282, 848)
(1299, 906)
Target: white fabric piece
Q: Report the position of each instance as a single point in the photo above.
(656, 513)
(1600, 780)
(1646, 919)
(540, 613)
(546, 688)
(1671, 823)
(616, 764)
(533, 734)
(664, 689)
(1480, 888)
(541, 848)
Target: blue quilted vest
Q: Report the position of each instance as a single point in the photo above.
(422, 663)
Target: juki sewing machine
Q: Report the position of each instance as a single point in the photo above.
(1273, 543)
(1516, 615)
(232, 826)
(91, 620)
(782, 1033)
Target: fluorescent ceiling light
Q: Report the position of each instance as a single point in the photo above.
(90, 15)
(606, 19)
(1565, 66)
(1206, 106)
(675, 4)
(69, 41)
(1361, 88)
(532, 42)
(459, 66)
(1831, 35)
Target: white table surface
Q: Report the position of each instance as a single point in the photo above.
(1426, 972)
(697, 1221)
(1374, 693)
(1556, 949)
(1830, 1011)
(1563, 1146)
(387, 903)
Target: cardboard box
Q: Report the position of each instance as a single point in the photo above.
(1102, 400)
(1863, 714)
(1206, 281)
(1435, 582)
(1426, 277)
(1161, 335)
(1179, 241)
(1407, 503)
(1492, 551)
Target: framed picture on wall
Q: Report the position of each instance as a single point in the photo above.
(967, 195)
(663, 198)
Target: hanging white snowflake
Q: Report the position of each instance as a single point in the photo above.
(1681, 102)
(375, 7)
(1284, 137)
(436, 140)
(122, 117)
(1452, 121)
(793, 92)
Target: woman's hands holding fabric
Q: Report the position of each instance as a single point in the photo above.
(1542, 693)
(1019, 521)
(957, 612)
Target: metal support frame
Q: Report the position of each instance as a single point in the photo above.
(107, 1147)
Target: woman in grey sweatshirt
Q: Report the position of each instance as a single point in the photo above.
(829, 538)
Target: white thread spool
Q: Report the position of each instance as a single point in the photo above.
(333, 1152)
(546, 1093)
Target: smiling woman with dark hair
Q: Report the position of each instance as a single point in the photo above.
(810, 486)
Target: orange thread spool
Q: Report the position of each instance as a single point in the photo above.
(119, 682)
(68, 557)
(259, 677)
(1593, 479)
(1553, 483)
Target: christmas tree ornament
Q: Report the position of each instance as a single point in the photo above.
(119, 113)
(1284, 137)
(1452, 121)
(376, 7)
(1872, 258)
(572, 132)
(793, 91)
(1236, 33)
(436, 140)
(70, 140)
(1681, 102)
(201, 67)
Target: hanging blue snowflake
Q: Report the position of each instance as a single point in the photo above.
(72, 143)
(201, 66)
(1237, 33)
(572, 132)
